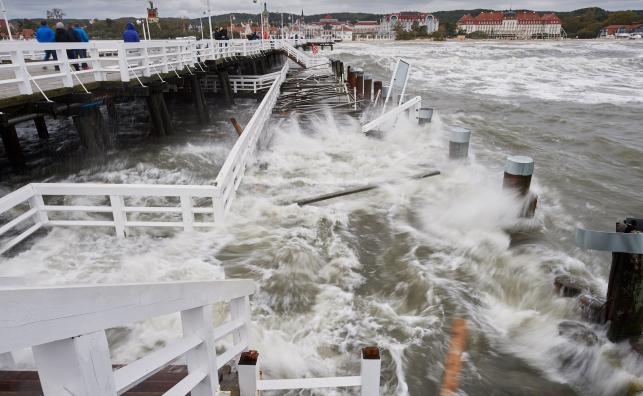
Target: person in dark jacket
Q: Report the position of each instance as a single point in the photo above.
(44, 34)
(74, 37)
(131, 35)
(62, 36)
(84, 38)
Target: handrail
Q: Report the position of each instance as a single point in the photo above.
(392, 114)
(65, 326)
(230, 174)
(110, 58)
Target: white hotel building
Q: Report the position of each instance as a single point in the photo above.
(512, 25)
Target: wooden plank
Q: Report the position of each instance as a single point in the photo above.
(186, 385)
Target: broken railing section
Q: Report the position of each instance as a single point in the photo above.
(25, 210)
(623, 307)
(251, 381)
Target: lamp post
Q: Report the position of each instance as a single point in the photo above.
(201, 22)
(232, 18)
(6, 19)
(211, 34)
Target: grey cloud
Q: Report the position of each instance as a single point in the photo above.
(194, 8)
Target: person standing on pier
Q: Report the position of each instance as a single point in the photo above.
(73, 38)
(84, 38)
(62, 36)
(44, 34)
(130, 35)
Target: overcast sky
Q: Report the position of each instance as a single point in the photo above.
(194, 8)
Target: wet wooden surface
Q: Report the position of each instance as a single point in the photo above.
(26, 383)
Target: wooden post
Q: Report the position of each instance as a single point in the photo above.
(168, 125)
(368, 88)
(453, 364)
(248, 373)
(153, 106)
(518, 173)
(624, 307)
(370, 371)
(459, 143)
(224, 83)
(41, 127)
(359, 83)
(377, 89)
(12, 145)
(197, 96)
(76, 366)
(91, 129)
(236, 125)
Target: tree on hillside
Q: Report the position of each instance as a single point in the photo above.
(622, 18)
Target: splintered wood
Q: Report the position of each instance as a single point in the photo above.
(453, 365)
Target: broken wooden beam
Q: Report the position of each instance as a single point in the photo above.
(360, 189)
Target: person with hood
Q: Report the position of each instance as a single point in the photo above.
(44, 34)
(84, 38)
(73, 38)
(62, 36)
(131, 35)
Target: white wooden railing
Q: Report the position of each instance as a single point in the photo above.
(126, 206)
(65, 327)
(301, 57)
(242, 83)
(116, 60)
(233, 169)
(390, 116)
(26, 210)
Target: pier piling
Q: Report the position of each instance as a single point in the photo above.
(377, 89)
(624, 307)
(368, 88)
(224, 83)
(12, 144)
(91, 129)
(154, 108)
(425, 115)
(41, 127)
(199, 100)
(459, 143)
(359, 83)
(518, 174)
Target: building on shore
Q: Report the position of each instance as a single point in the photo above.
(634, 30)
(407, 19)
(513, 25)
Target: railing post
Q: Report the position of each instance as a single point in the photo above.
(76, 366)
(198, 322)
(122, 63)
(18, 59)
(248, 370)
(118, 211)
(240, 309)
(370, 371)
(147, 72)
(164, 67)
(38, 203)
(94, 54)
(187, 213)
(65, 68)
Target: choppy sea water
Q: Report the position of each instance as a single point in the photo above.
(393, 267)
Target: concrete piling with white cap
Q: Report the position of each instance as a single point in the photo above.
(518, 173)
(459, 143)
(425, 114)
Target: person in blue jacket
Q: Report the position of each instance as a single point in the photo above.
(131, 35)
(84, 38)
(44, 34)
